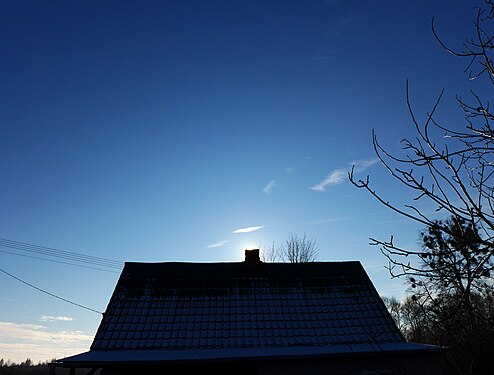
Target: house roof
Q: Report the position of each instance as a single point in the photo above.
(202, 310)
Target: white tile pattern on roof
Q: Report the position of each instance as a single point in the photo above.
(261, 316)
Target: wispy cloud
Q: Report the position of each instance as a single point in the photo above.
(334, 178)
(289, 170)
(330, 220)
(362, 165)
(337, 176)
(340, 218)
(39, 343)
(218, 244)
(374, 266)
(270, 186)
(248, 229)
(50, 318)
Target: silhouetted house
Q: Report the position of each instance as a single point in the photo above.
(249, 318)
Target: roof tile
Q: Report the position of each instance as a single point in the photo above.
(173, 307)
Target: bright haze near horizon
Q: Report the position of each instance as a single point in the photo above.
(158, 131)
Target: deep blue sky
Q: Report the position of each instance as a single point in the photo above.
(152, 130)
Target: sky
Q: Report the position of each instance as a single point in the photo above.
(159, 131)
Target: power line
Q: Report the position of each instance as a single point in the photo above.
(61, 254)
(56, 261)
(50, 294)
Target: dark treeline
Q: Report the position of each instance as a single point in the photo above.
(8, 367)
(451, 300)
(28, 367)
(466, 332)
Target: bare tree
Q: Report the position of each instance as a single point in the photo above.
(297, 249)
(270, 253)
(395, 310)
(410, 319)
(452, 172)
(300, 249)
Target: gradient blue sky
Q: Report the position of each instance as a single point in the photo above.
(152, 130)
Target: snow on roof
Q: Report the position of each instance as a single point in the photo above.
(213, 309)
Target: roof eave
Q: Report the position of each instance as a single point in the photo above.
(160, 357)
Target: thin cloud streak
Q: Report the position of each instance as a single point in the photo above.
(338, 175)
(248, 229)
(218, 244)
(375, 266)
(340, 218)
(50, 318)
(270, 186)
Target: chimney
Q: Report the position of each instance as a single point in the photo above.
(252, 256)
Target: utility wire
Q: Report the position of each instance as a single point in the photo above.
(50, 294)
(61, 254)
(56, 261)
(58, 253)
